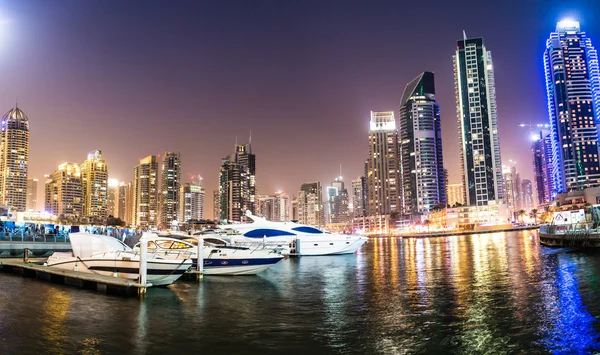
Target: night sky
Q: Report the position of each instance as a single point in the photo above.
(134, 78)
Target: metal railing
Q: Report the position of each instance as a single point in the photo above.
(20, 237)
(568, 228)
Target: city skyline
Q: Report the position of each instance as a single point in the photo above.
(112, 110)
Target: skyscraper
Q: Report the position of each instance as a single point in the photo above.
(123, 202)
(112, 198)
(145, 192)
(359, 198)
(191, 203)
(216, 205)
(14, 159)
(32, 194)
(542, 176)
(63, 191)
(310, 204)
(274, 207)
(511, 189)
(455, 194)
(94, 179)
(237, 184)
(478, 123)
(422, 166)
(573, 91)
(337, 201)
(527, 195)
(170, 187)
(383, 174)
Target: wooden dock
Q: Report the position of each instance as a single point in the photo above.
(101, 283)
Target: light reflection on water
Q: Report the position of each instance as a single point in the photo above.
(491, 293)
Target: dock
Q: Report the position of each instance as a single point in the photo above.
(100, 283)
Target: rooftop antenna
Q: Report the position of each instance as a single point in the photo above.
(17, 102)
(464, 35)
(340, 170)
(250, 139)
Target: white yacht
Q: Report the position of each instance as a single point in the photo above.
(219, 257)
(302, 239)
(103, 255)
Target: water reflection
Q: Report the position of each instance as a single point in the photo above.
(494, 293)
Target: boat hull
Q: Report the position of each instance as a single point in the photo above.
(159, 273)
(237, 266)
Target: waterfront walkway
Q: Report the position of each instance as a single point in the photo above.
(447, 234)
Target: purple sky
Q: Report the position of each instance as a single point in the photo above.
(134, 78)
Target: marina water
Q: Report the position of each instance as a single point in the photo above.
(494, 293)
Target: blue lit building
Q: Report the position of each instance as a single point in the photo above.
(573, 91)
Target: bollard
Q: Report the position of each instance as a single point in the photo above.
(26, 255)
(200, 257)
(143, 263)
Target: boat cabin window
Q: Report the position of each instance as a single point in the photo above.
(151, 245)
(259, 233)
(305, 229)
(214, 241)
(164, 244)
(179, 245)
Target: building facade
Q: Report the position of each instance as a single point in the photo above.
(423, 181)
(310, 204)
(237, 184)
(478, 123)
(542, 168)
(63, 191)
(94, 179)
(337, 202)
(170, 188)
(359, 198)
(145, 193)
(14, 159)
(32, 194)
(573, 92)
(526, 195)
(191, 205)
(455, 194)
(274, 207)
(383, 165)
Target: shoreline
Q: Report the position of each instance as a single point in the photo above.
(449, 234)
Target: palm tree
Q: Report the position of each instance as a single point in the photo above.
(520, 213)
(533, 214)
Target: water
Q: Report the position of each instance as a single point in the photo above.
(492, 293)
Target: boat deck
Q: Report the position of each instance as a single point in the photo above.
(106, 284)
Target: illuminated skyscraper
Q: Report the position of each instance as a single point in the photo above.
(422, 165)
(542, 167)
(478, 123)
(191, 203)
(526, 195)
(63, 191)
(383, 174)
(112, 198)
(216, 205)
(32, 194)
(359, 197)
(337, 201)
(455, 194)
(573, 91)
(310, 204)
(237, 184)
(14, 159)
(511, 189)
(170, 188)
(94, 177)
(123, 202)
(145, 192)
(274, 207)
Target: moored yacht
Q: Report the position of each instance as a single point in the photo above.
(220, 258)
(303, 239)
(103, 255)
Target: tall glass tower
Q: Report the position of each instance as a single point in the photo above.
(573, 90)
(422, 166)
(478, 123)
(14, 159)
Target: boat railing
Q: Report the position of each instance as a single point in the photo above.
(25, 237)
(573, 228)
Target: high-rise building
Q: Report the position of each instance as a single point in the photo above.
(170, 187)
(295, 209)
(112, 198)
(123, 202)
(32, 194)
(527, 195)
(511, 189)
(455, 194)
(548, 166)
(573, 91)
(478, 123)
(94, 179)
(237, 184)
(359, 198)
(216, 205)
(337, 202)
(422, 167)
(310, 204)
(63, 191)
(191, 205)
(145, 192)
(274, 207)
(14, 159)
(541, 169)
(383, 165)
